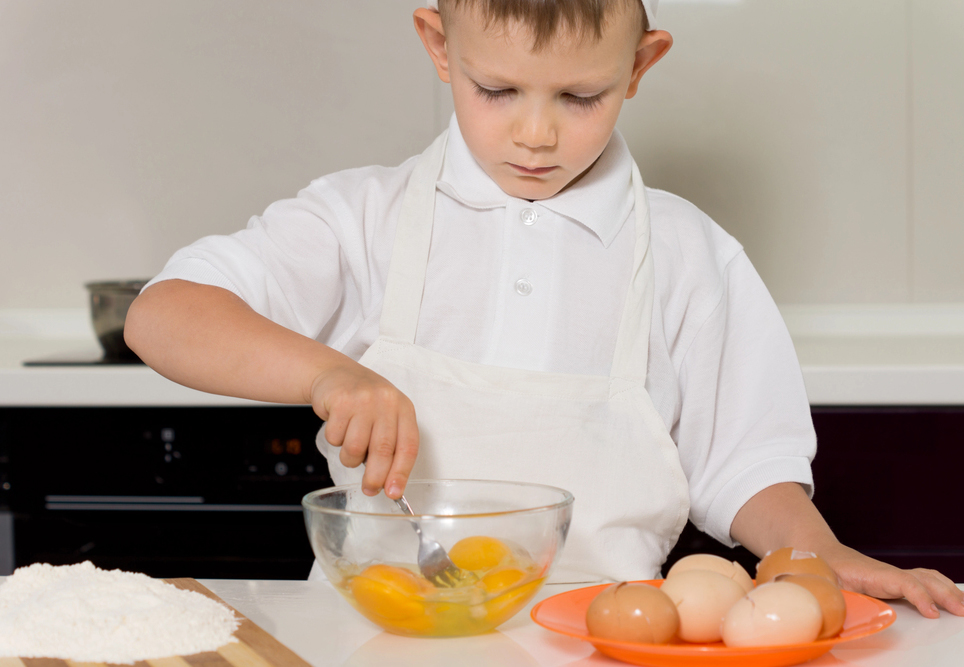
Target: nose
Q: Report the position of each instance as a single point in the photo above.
(534, 128)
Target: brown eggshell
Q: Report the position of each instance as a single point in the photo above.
(832, 603)
(792, 561)
(632, 612)
(713, 563)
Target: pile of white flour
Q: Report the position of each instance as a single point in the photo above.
(85, 614)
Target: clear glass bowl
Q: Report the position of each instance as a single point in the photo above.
(504, 535)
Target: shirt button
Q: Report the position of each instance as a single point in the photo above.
(523, 287)
(528, 216)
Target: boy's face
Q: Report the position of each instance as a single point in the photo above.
(537, 121)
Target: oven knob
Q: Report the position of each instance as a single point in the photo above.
(281, 468)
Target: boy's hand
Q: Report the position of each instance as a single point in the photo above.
(925, 589)
(783, 516)
(372, 422)
(208, 338)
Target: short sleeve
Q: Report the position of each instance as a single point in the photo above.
(315, 263)
(744, 419)
(284, 260)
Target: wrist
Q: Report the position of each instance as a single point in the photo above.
(326, 361)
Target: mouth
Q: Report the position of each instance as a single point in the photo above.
(532, 171)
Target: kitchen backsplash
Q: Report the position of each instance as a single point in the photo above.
(825, 135)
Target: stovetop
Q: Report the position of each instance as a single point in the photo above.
(93, 357)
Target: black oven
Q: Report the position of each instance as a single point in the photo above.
(211, 492)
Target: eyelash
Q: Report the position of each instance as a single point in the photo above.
(492, 95)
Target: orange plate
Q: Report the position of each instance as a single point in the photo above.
(565, 613)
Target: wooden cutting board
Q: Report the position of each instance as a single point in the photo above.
(254, 648)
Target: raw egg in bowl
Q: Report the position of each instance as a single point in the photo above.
(503, 536)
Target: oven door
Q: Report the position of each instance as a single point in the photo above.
(185, 491)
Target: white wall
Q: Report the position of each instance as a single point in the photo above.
(826, 135)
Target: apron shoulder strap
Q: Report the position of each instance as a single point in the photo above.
(631, 358)
(413, 237)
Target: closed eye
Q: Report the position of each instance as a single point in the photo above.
(584, 102)
(492, 94)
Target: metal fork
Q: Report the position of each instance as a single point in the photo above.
(434, 563)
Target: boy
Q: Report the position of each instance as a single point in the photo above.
(550, 319)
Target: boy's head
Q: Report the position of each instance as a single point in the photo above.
(544, 19)
(538, 84)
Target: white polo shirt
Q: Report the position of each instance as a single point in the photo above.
(540, 286)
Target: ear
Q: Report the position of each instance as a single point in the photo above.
(653, 46)
(428, 25)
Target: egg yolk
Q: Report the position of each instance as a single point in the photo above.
(498, 583)
(478, 553)
(499, 580)
(503, 606)
(389, 592)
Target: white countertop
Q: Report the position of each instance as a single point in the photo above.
(879, 354)
(314, 621)
(27, 335)
(850, 355)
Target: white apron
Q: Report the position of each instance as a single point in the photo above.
(598, 437)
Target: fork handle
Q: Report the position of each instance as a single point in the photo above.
(404, 506)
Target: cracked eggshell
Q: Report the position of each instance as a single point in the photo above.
(632, 612)
(793, 561)
(773, 614)
(713, 563)
(832, 604)
(702, 599)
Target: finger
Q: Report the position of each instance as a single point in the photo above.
(917, 595)
(944, 591)
(335, 427)
(406, 451)
(924, 574)
(355, 446)
(381, 450)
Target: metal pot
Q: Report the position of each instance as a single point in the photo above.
(109, 301)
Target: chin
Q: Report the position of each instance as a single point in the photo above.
(532, 192)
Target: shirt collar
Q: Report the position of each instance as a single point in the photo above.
(601, 201)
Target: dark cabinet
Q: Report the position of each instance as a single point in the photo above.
(169, 491)
(215, 492)
(887, 479)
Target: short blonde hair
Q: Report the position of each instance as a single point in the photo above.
(545, 17)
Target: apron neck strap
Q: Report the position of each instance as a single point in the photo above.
(413, 236)
(632, 342)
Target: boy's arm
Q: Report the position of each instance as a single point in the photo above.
(782, 516)
(208, 338)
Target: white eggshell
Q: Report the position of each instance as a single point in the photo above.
(713, 563)
(702, 599)
(773, 614)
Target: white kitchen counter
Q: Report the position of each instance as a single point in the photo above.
(850, 355)
(314, 621)
(880, 355)
(41, 335)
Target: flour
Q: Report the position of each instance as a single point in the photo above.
(85, 614)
